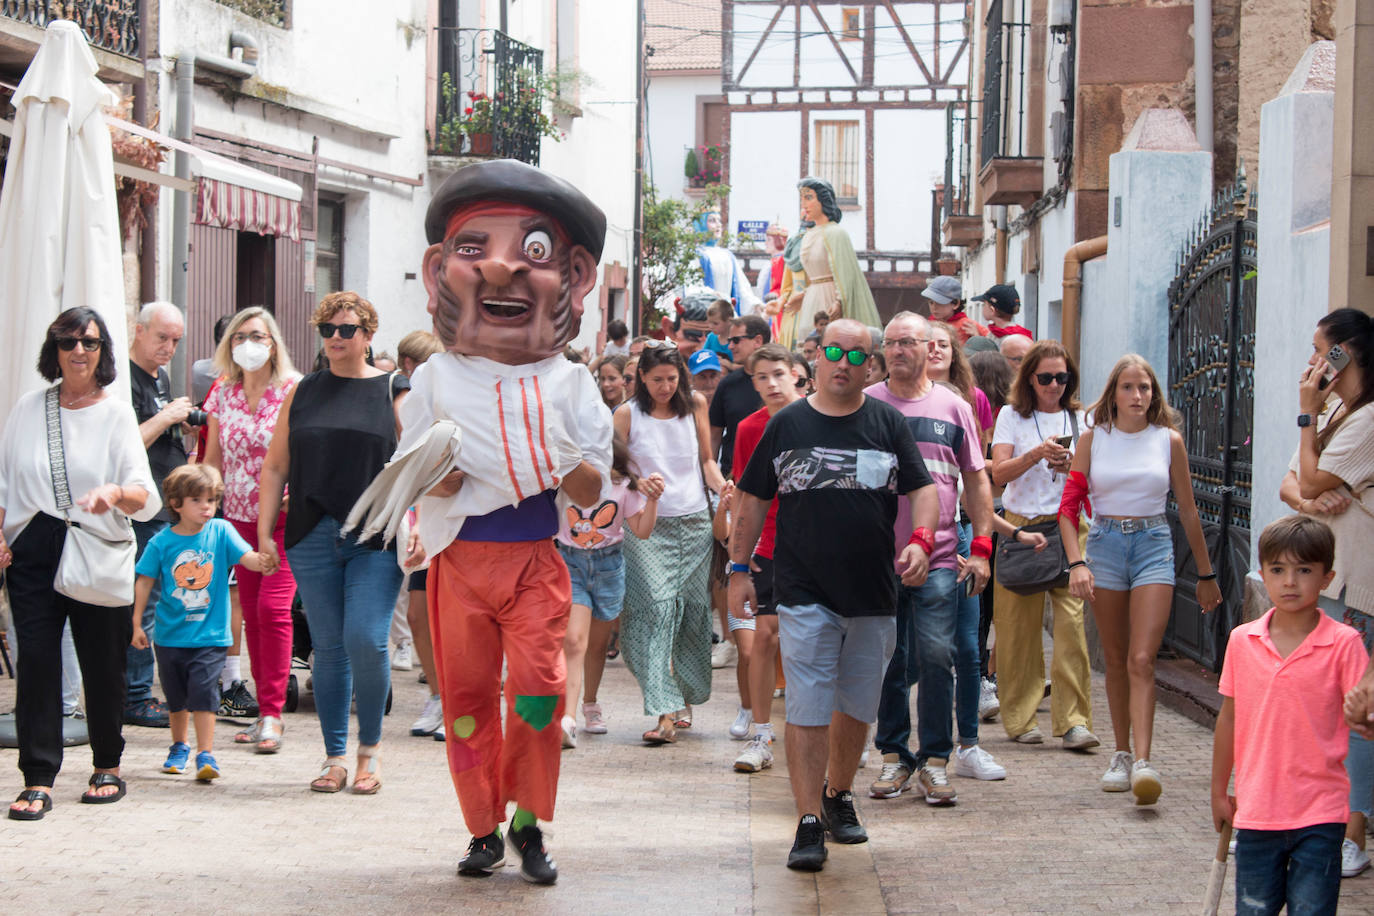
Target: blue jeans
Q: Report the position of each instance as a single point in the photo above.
(138, 675)
(967, 654)
(348, 591)
(1301, 868)
(1359, 759)
(924, 655)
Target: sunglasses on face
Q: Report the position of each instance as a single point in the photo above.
(1052, 378)
(89, 344)
(855, 357)
(693, 335)
(734, 341)
(346, 331)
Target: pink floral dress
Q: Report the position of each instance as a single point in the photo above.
(244, 435)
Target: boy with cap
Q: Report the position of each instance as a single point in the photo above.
(513, 251)
(946, 297)
(1000, 305)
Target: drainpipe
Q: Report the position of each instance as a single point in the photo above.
(1085, 250)
(1202, 70)
(1001, 237)
(181, 207)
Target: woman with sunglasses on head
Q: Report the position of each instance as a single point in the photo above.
(256, 376)
(665, 629)
(335, 432)
(1127, 464)
(1032, 444)
(108, 482)
(1332, 470)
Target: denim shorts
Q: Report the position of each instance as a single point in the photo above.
(833, 663)
(598, 578)
(1122, 560)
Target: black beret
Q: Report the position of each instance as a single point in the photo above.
(515, 182)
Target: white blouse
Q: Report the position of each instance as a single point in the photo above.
(102, 445)
(1037, 491)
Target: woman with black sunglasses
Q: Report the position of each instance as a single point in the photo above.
(665, 629)
(109, 483)
(335, 432)
(1032, 444)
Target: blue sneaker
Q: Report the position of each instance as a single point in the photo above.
(206, 767)
(178, 756)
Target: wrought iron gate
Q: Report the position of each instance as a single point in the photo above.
(1211, 384)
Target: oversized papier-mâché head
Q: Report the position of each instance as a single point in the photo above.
(512, 253)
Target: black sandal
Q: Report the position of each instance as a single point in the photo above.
(613, 647)
(32, 795)
(99, 781)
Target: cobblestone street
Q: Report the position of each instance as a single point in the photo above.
(671, 829)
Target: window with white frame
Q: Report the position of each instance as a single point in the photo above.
(836, 155)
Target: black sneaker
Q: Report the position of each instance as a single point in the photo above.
(535, 865)
(485, 854)
(150, 713)
(808, 850)
(237, 702)
(840, 819)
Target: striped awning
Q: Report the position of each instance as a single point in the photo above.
(233, 206)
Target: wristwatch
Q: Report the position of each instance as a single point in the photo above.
(1305, 419)
(739, 567)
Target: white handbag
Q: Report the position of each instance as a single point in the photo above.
(92, 569)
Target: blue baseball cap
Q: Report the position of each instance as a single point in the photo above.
(703, 361)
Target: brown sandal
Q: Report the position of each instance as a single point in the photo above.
(368, 782)
(326, 781)
(657, 736)
(683, 718)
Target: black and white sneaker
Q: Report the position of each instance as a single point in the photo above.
(237, 702)
(535, 865)
(840, 819)
(808, 850)
(485, 854)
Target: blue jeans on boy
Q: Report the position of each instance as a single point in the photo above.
(138, 676)
(1300, 868)
(967, 654)
(348, 591)
(924, 655)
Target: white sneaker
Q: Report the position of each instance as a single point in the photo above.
(976, 763)
(594, 720)
(569, 732)
(724, 654)
(1079, 738)
(403, 659)
(1118, 775)
(757, 756)
(1353, 859)
(1146, 785)
(431, 718)
(739, 729)
(988, 704)
(863, 759)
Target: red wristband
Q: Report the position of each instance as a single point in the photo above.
(981, 547)
(924, 538)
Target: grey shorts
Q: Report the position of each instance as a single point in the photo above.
(833, 663)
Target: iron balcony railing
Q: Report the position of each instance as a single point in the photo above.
(959, 174)
(109, 24)
(509, 74)
(1004, 87)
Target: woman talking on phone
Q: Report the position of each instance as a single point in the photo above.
(1331, 471)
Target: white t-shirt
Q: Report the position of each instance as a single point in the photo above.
(614, 349)
(1037, 491)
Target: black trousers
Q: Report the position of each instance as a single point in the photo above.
(101, 635)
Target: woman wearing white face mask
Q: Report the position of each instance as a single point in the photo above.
(256, 376)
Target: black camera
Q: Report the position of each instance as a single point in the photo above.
(197, 418)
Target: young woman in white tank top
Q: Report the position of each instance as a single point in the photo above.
(1125, 466)
(665, 627)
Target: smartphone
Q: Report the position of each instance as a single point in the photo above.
(1337, 359)
(1063, 441)
(968, 587)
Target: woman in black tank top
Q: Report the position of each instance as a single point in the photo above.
(336, 430)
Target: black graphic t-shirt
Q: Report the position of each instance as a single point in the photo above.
(836, 480)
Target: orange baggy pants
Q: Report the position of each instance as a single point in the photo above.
(488, 600)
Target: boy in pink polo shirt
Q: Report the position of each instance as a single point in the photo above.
(1282, 729)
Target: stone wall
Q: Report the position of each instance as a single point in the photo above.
(1273, 36)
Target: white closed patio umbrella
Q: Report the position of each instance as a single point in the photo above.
(59, 223)
(59, 229)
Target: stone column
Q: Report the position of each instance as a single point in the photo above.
(1158, 184)
(1352, 177)
(1296, 249)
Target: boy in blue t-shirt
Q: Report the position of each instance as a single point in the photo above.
(191, 560)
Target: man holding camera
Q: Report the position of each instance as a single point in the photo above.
(157, 333)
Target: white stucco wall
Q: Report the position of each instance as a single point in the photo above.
(908, 160)
(766, 148)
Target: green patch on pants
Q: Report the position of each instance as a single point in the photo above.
(537, 711)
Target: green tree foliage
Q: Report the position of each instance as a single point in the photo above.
(668, 244)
